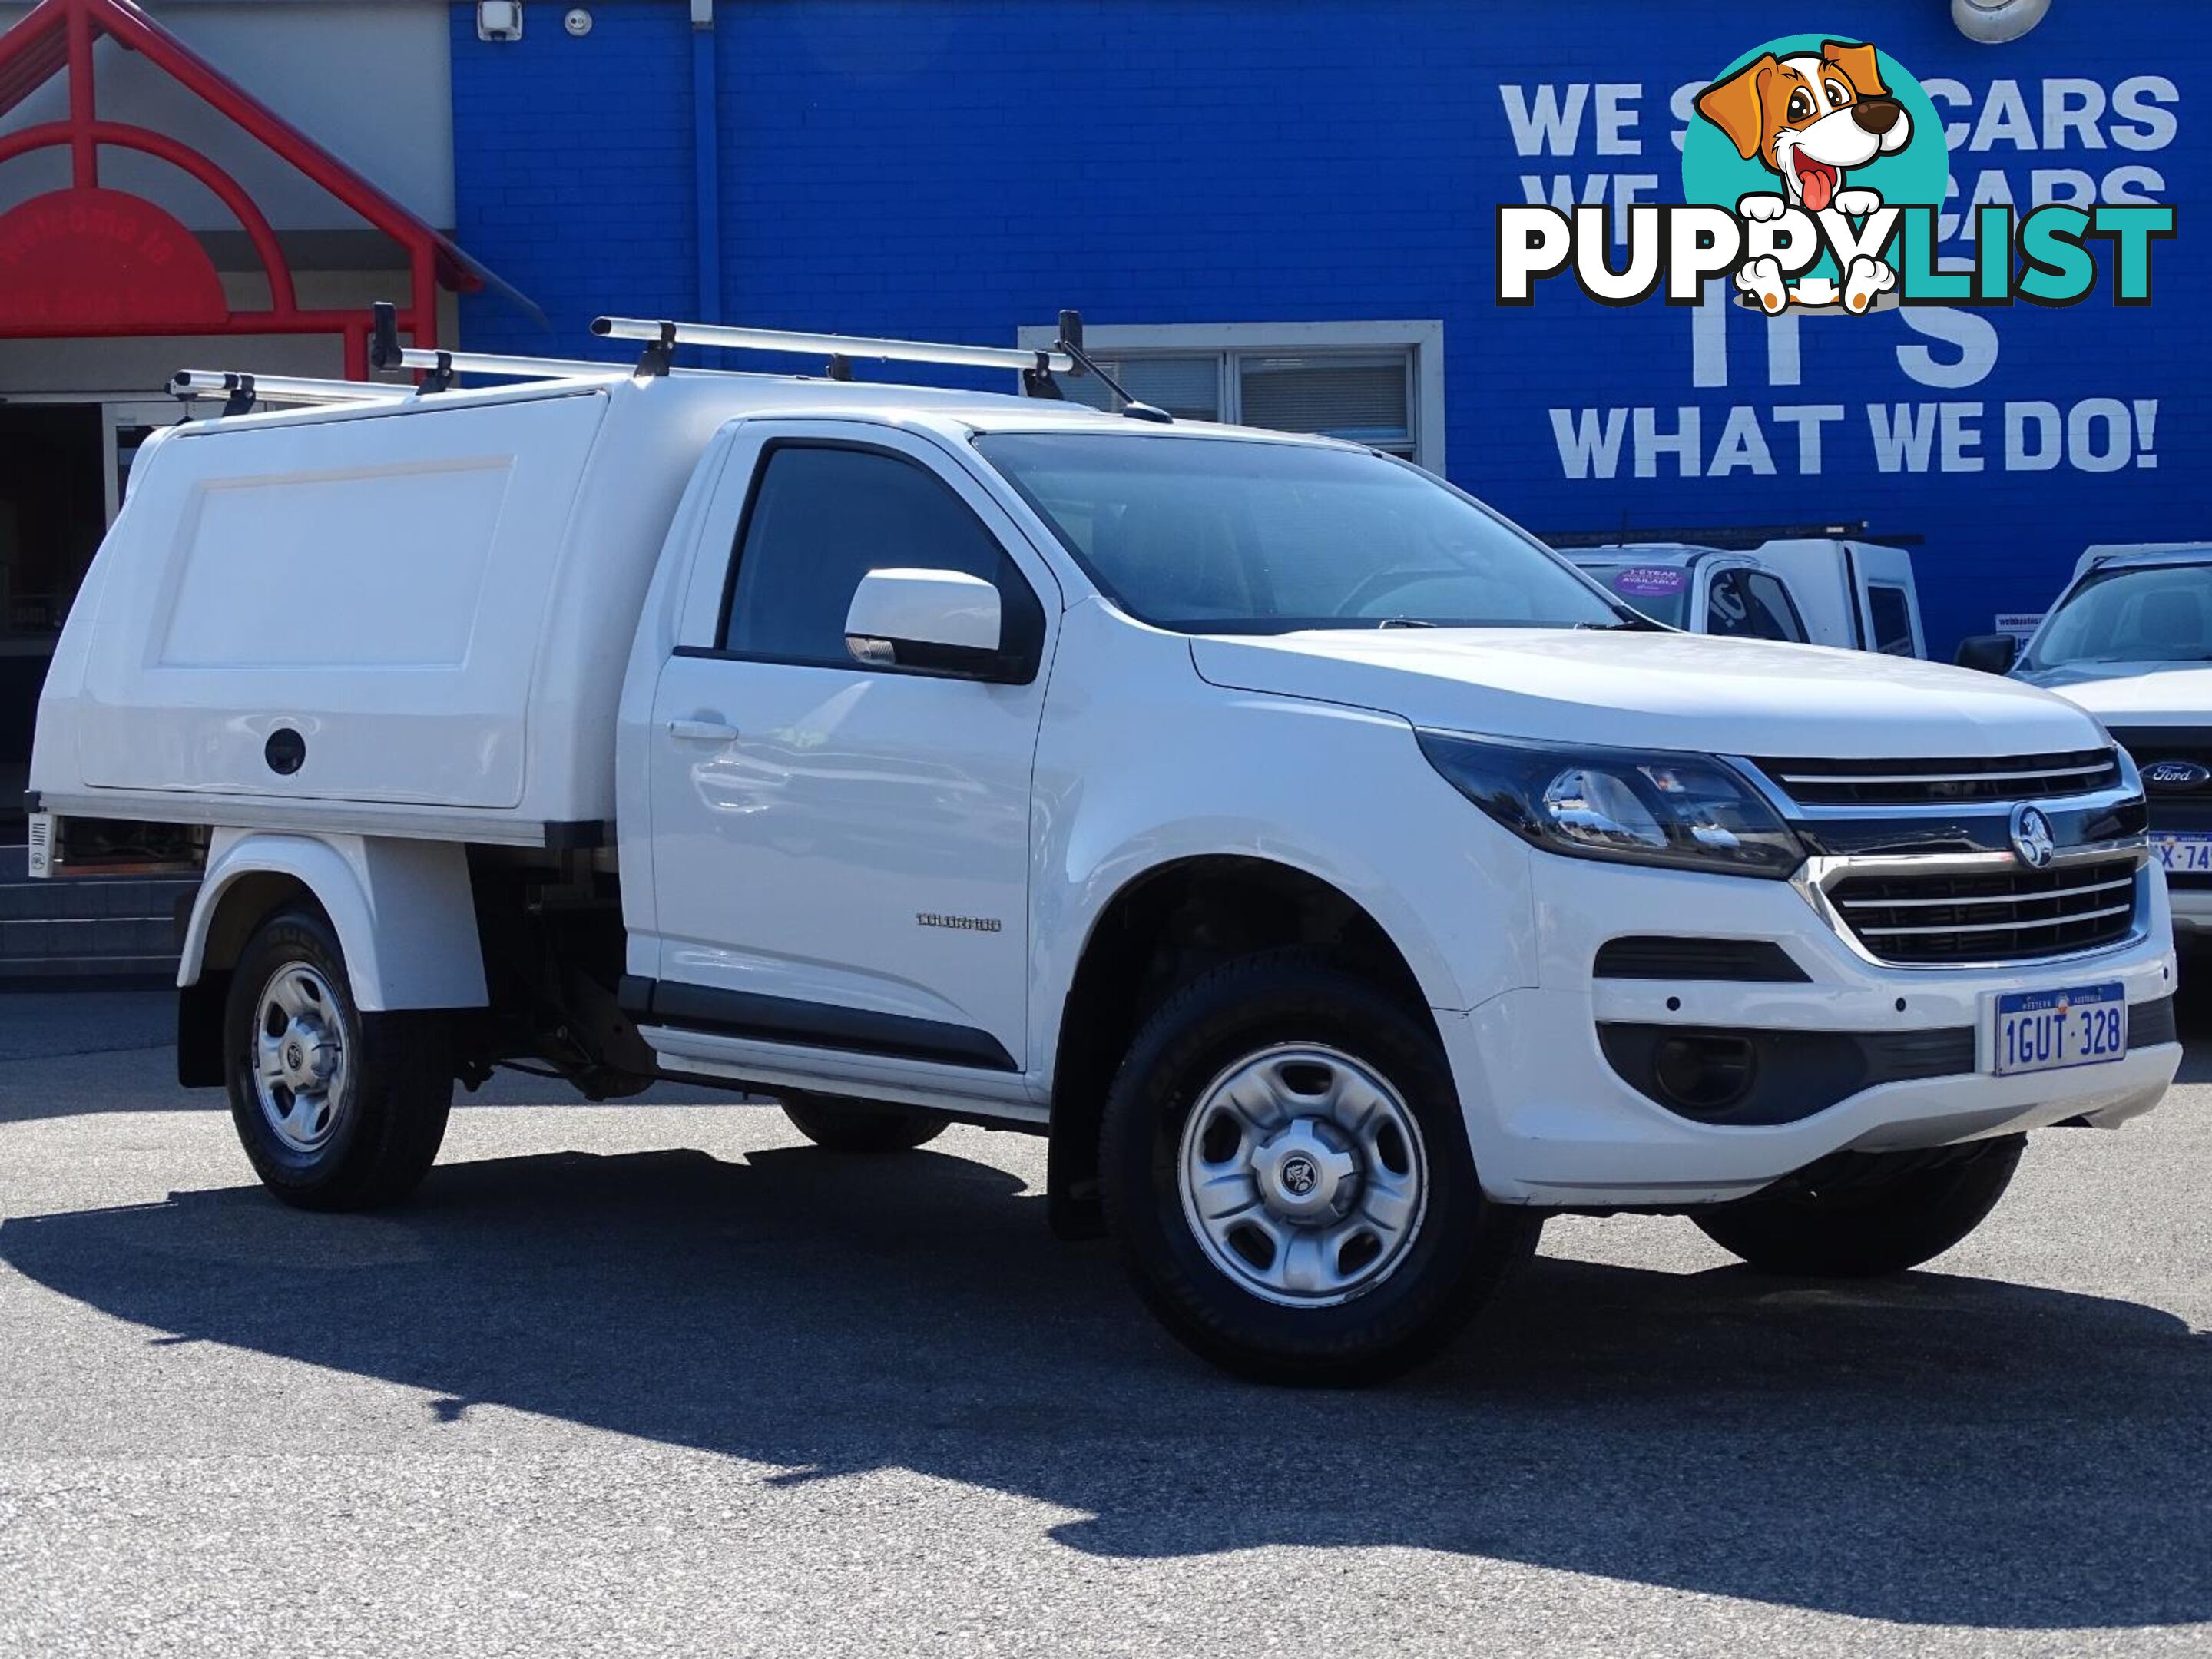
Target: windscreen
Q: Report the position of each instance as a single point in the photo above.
(1661, 592)
(1222, 536)
(2151, 613)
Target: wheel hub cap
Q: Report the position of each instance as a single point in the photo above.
(1303, 1175)
(298, 1057)
(1307, 1172)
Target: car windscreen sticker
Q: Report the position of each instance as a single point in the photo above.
(1648, 579)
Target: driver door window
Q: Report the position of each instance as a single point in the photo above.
(821, 517)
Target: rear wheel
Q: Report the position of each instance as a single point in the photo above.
(1873, 1219)
(338, 1109)
(838, 1125)
(1286, 1168)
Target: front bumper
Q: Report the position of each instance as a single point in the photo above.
(1551, 1122)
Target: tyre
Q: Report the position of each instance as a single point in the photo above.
(338, 1109)
(1285, 1165)
(1880, 1220)
(859, 1125)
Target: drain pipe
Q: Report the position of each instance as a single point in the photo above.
(706, 160)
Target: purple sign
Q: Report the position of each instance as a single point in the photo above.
(1648, 579)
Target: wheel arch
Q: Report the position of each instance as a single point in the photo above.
(1160, 928)
(401, 909)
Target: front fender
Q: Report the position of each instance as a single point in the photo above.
(1169, 767)
(403, 911)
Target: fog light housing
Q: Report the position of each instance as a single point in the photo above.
(1702, 1073)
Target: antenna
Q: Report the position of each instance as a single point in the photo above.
(1071, 342)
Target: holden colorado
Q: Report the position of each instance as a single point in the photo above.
(1340, 880)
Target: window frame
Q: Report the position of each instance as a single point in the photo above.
(1422, 339)
(1019, 663)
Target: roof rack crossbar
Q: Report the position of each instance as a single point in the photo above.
(241, 392)
(1729, 538)
(386, 352)
(657, 333)
(492, 362)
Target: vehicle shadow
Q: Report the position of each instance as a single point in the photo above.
(1930, 1450)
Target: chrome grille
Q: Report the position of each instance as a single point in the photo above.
(2003, 915)
(1814, 782)
(2150, 745)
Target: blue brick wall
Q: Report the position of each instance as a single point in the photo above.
(574, 171)
(955, 168)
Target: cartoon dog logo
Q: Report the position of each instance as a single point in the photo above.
(1809, 119)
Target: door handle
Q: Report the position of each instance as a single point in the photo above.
(702, 732)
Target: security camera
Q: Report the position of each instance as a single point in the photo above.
(1995, 21)
(499, 19)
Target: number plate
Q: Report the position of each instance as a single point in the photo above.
(2051, 1030)
(2184, 853)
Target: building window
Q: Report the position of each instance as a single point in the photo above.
(1378, 384)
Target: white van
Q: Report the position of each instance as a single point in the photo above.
(1809, 589)
(1341, 881)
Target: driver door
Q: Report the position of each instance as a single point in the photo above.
(840, 849)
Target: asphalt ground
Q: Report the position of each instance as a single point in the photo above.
(658, 1378)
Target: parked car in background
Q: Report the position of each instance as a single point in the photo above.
(1815, 591)
(2131, 641)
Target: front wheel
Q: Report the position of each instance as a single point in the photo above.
(1895, 1211)
(1285, 1166)
(338, 1109)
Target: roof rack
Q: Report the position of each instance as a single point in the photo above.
(240, 392)
(662, 337)
(1727, 537)
(386, 352)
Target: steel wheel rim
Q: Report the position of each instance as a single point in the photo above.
(1303, 1175)
(298, 1061)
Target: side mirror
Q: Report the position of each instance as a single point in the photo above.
(941, 620)
(1993, 654)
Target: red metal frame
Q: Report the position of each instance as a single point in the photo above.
(60, 34)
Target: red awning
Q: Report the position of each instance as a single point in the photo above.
(92, 261)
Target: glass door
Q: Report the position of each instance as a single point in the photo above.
(129, 424)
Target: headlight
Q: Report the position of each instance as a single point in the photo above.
(1686, 811)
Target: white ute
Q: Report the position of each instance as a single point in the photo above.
(1813, 590)
(2131, 641)
(1340, 880)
